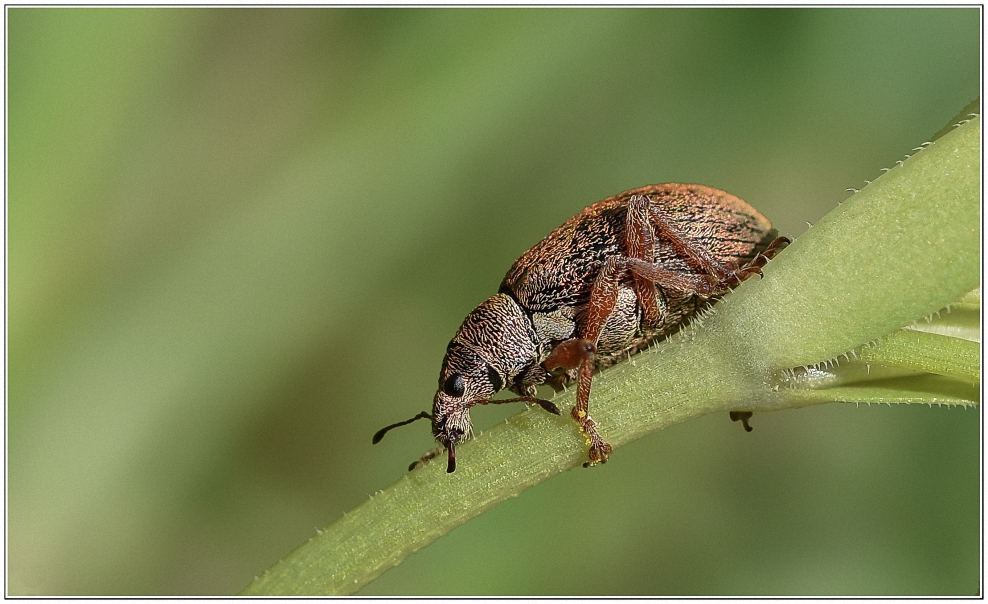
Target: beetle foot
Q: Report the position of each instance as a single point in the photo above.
(754, 267)
(598, 454)
(558, 382)
(430, 454)
(599, 450)
(739, 275)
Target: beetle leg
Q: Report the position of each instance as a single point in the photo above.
(599, 450)
(430, 454)
(715, 278)
(640, 261)
(696, 256)
(754, 266)
(579, 352)
(570, 354)
(702, 285)
(639, 258)
(563, 363)
(777, 245)
(725, 277)
(603, 298)
(547, 405)
(557, 382)
(639, 242)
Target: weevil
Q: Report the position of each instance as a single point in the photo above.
(626, 271)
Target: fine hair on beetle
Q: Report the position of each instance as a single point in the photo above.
(622, 274)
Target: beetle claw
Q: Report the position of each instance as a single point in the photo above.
(598, 453)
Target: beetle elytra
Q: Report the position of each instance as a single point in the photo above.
(621, 274)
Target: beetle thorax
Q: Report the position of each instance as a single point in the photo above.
(495, 342)
(500, 335)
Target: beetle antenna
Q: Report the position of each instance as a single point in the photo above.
(380, 433)
(451, 464)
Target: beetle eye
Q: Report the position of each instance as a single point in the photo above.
(454, 385)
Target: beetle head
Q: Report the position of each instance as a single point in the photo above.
(495, 342)
(465, 380)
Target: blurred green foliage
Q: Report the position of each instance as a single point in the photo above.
(239, 240)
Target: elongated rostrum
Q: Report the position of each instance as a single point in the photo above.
(626, 271)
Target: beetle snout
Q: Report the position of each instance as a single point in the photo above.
(451, 428)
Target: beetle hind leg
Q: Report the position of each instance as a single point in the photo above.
(754, 266)
(719, 277)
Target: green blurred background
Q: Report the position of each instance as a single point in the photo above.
(240, 239)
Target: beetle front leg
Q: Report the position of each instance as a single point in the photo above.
(578, 352)
(599, 450)
(547, 405)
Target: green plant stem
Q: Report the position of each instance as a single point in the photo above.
(927, 352)
(899, 250)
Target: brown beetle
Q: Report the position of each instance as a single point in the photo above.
(621, 274)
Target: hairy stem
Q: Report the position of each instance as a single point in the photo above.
(901, 249)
